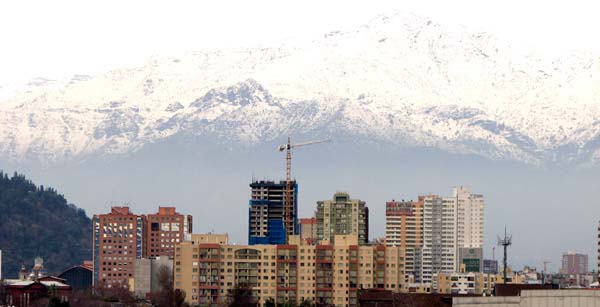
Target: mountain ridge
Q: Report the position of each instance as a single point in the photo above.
(401, 80)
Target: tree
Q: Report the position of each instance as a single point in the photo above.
(26, 212)
(241, 296)
(2, 293)
(56, 302)
(179, 299)
(306, 303)
(168, 296)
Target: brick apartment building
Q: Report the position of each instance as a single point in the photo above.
(121, 236)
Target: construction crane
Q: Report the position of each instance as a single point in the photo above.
(288, 205)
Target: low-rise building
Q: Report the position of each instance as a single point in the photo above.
(534, 298)
(79, 277)
(24, 293)
(472, 283)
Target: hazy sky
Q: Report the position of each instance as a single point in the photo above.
(54, 38)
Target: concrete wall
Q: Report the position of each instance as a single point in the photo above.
(535, 298)
(146, 275)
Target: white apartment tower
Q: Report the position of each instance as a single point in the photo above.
(470, 218)
(433, 230)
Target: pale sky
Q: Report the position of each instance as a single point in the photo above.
(60, 38)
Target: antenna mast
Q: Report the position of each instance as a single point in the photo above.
(505, 242)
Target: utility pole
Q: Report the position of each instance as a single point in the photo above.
(505, 242)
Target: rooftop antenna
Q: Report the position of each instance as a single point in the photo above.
(505, 242)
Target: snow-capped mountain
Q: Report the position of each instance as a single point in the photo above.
(400, 80)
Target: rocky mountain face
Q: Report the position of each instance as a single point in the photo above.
(399, 80)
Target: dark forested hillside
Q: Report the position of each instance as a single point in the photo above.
(38, 221)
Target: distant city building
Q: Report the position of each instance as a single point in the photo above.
(79, 277)
(118, 238)
(342, 216)
(326, 275)
(37, 271)
(470, 259)
(145, 282)
(164, 230)
(404, 228)
(266, 212)
(490, 266)
(308, 230)
(573, 263)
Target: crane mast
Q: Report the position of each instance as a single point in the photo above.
(288, 204)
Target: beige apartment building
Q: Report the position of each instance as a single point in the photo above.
(342, 216)
(404, 228)
(208, 268)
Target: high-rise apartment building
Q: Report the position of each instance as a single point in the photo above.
(404, 228)
(163, 230)
(574, 263)
(440, 246)
(121, 237)
(470, 208)
(118, 238)
(323, 274)
(342, 216)
(266, 221)
(437, 233)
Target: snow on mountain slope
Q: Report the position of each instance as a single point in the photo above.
(400, 80)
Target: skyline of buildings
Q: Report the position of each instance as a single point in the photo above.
(436, 232)
(431, 245)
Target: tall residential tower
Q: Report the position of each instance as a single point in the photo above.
(266, 212)
(118, 238)
(163, 230)
(342, 216)
(404, 228)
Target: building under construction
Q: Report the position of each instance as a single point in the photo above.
(267, 212)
